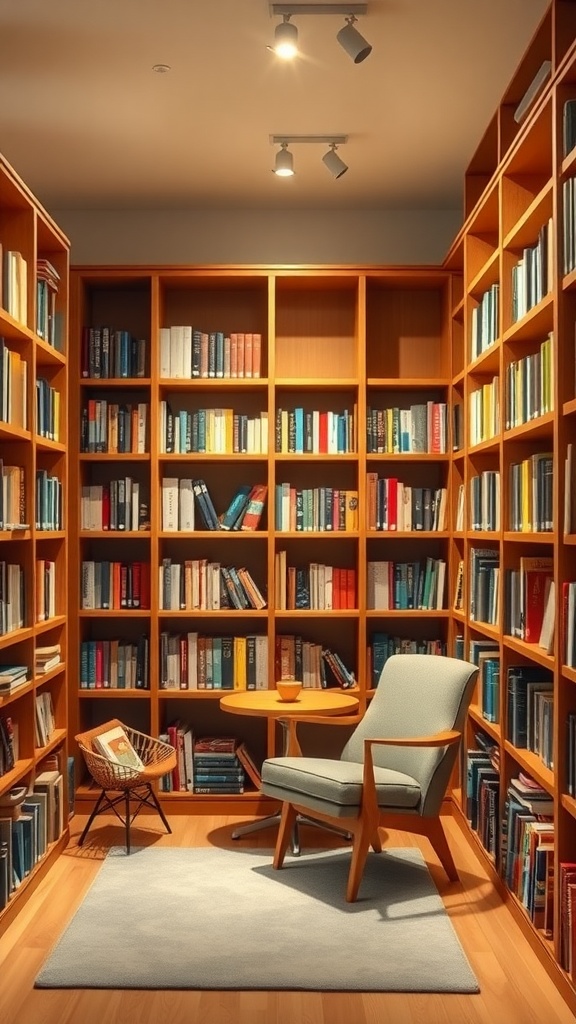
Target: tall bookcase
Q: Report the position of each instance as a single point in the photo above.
(33, 526)
(332, 339)
(516, 201)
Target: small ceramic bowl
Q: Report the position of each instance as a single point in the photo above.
(288, 689)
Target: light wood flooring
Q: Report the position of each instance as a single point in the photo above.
(515, 988)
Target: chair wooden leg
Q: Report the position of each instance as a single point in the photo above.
(287, 822)
(437, 837)
(359, 855)
(376, 842)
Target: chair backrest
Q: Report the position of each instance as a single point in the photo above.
(417, 695)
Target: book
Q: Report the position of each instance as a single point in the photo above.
(535, 87)
(115, 745)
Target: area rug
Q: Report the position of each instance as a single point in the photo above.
(207, 918)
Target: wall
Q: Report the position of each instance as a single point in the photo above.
(385, 237)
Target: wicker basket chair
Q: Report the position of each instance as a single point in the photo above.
(125, 786)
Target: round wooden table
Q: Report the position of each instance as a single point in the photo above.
(267, 703)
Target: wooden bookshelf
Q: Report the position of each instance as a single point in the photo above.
(515, 190)
(33, 534)
(332, 339)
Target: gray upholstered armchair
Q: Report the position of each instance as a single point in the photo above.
(393, 771)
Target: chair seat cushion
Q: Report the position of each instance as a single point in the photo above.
(337, 783)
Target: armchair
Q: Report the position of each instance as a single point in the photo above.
(394, 769)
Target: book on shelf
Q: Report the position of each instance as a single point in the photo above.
(536, 85)
(115, 745)
(568, 126)
(535, 572)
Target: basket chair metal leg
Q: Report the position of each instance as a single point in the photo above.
(127, 820)
(158, 807)
(95, 811)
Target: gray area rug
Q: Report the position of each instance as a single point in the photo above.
(168, 918)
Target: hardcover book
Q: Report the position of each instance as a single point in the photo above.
(116, 746)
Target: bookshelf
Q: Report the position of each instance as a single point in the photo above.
(34, 257)
(333, 341)
(513, 246)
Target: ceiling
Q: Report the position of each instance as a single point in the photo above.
(88, 124)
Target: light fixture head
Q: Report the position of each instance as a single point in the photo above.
(333, 162)
(350, 40)
(284, 164)
(286, 39)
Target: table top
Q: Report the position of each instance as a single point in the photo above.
(308, 702)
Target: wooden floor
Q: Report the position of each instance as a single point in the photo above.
(515, 988)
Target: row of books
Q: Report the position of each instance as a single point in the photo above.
(484, 491)
(529, 602)
(212, 431)
(484, 322)
(49, 508)
(482, 796)
(484, 412)
(418, 429)
(48, 319)
(180, 495)
(315, 509)
(14, 290)
(316, 586)
(394, 505)
(489, 684)
(532, 275)
(187, 352)
(108, 353)
(530, 386)
(382, 646)
(531, 494)
(115, 664)
(13, 387)
(208, 764)
(13, 497)
(484, 585)
(310, 663)
(8, 744)
(198, 584)
(569, 224)
(25, 838)
(318, 432)
(12, 597)
(12, 677)
(569, 622)
(120, 504)
(114, 585)
(45, 589)
(47, 410)
(45, 719)
(115, 428)
(193, 661)
(528, 849)
(406, 585)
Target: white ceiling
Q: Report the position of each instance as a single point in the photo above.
(88, 124)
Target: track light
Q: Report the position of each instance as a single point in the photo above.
(350, 40)
(284, 165)
(286, 39)
(335, 165)
(286, 34)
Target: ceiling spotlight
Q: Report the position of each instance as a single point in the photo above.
(335, 165)
(284, 165)
(350, 40)
(286, 39)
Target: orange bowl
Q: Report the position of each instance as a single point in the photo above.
(288, 689)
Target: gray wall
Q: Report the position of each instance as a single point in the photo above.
(159, 237)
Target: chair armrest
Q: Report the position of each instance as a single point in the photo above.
(439, 739)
